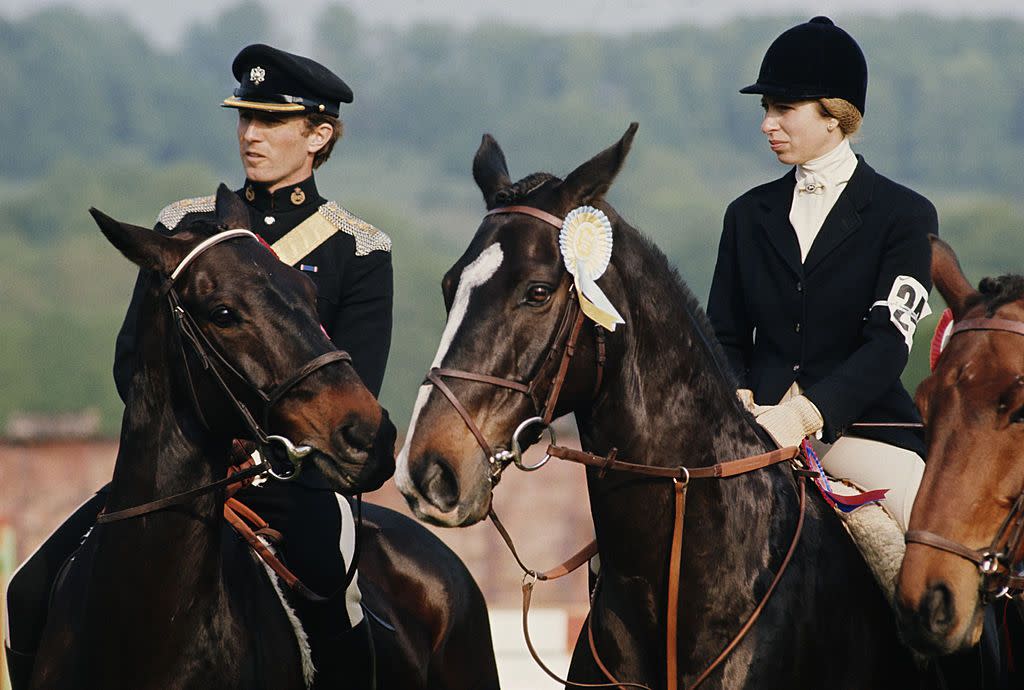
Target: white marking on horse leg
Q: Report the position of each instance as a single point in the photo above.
(478, 272)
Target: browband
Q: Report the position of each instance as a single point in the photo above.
(206, 244)
(548, 218)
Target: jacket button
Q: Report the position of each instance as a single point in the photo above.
(799, 287)
(796, 367)
(797, 327)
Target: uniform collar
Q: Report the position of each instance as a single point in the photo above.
(832, 170)
(284, 199)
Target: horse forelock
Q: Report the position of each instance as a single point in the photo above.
(202, 227)
(524, 188)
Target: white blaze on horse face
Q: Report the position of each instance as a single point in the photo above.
(478, 272)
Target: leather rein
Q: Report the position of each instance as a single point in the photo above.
(562, 350)
(212, 361)
(1001, 564)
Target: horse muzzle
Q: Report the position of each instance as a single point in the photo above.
(937, 615)
(443, 493)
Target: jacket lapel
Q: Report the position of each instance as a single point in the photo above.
(844, 219)
(775, 205)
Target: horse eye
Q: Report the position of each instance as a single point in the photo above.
(538, 294)
(1017, 417)
(223, 317)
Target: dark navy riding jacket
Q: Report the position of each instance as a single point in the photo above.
(837, 322)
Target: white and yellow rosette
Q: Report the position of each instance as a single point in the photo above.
(586, 243)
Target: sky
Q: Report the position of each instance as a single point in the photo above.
(165, 21)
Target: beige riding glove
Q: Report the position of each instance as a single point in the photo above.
(746, 397)
(791, 421)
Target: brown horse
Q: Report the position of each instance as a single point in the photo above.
(658, 390)
(965, 543)
(168, 597)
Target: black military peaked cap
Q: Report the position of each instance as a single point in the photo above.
(278, 82)
(816, 59)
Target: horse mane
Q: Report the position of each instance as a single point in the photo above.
(523, 188)
(665, 292)
(204, 225)
(995, 292)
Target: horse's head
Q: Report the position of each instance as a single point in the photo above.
(228, 309)
(973, 410)
(511, 311)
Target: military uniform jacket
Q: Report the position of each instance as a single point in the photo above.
(351, 269)
(839, 323)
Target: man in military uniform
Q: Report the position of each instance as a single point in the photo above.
(288, 109)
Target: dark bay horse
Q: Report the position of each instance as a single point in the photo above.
(171, 598)
(965, 542)
(656, 389)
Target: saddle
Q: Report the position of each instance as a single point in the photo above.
(876, 535)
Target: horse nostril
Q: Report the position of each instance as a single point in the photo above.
(356, 435)
(936, 609)
(437, 483)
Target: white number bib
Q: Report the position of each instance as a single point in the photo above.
(907, 304)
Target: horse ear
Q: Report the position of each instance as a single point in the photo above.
(591, 181)
(490, 170)
(231, 211)
(144, 247)
(949, 278)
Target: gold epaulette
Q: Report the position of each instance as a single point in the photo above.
(172, 214)
(368, 238)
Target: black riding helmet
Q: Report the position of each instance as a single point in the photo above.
(816, 59)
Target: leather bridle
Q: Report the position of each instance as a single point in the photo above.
(213, 361)
(561, 350)
(559, 354)
(1001, 564)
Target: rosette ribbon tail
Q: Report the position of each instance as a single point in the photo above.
(595, 304)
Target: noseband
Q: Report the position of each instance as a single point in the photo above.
(1001, 565)
(212, 361)
(559, 354)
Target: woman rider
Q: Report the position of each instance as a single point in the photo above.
(823, 274)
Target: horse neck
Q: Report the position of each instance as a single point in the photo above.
(667, 402)
(165, 450)
(666, 389)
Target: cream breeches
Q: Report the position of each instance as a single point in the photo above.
(876, 465)
(873, 465)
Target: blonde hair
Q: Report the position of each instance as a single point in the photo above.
(845, 112)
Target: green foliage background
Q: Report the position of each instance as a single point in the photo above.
(94, 115)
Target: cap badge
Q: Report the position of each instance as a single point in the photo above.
(257, 75)
(298, 196)
(586, 244)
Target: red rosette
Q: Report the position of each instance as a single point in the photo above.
(941, 337)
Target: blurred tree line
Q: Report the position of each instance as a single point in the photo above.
(94, 115)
